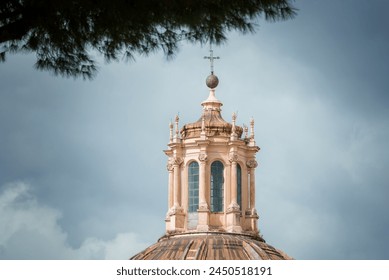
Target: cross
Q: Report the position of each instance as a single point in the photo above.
(211, 58)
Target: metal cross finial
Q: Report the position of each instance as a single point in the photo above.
(211, 58)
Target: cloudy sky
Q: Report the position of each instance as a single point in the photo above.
(82, 169)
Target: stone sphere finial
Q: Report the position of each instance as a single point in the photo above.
(212, 81)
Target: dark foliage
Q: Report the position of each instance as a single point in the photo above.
(64, 33)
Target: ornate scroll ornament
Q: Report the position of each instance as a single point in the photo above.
(177, 160)
(252, 163)
(169, 167)
(170, 163)
(233, 157)
(173, 161)
(203, 157)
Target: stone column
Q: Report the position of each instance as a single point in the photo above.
(234, 186)
(202, 200)
(177, 216)
(252, 164)
(252, 188)
(203, 211)
(251, 214)
(233, 211)
(176, 185)
(171, 189)
(170, 194)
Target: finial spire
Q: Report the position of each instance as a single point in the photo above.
(212, 81)
(211, 57)
(233, 123)
(234, 135)
(171, 131)
(245, 129)
(176, 136)
(203, 134)
(252, 128)
(252, 141)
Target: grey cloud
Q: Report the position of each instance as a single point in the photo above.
(31, 231)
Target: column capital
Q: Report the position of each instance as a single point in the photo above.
(169, 167)
(203, 157)
(252, 163)
(177, 160)
(233, 157)
(172, 161)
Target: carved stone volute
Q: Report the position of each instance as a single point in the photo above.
(233, 157)
(252, 163)
(203, 156)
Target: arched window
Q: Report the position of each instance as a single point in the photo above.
(239, 185)
(193, 185)
(217, 182)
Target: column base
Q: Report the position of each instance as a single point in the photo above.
(177, 219)
(235, 229)
(202, 228)
(251, 218)
(203, 222)
(233, 207)
(233, 219)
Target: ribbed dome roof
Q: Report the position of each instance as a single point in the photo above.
(211, 246)
(214, 125)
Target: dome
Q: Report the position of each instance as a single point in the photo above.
(211, 246)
